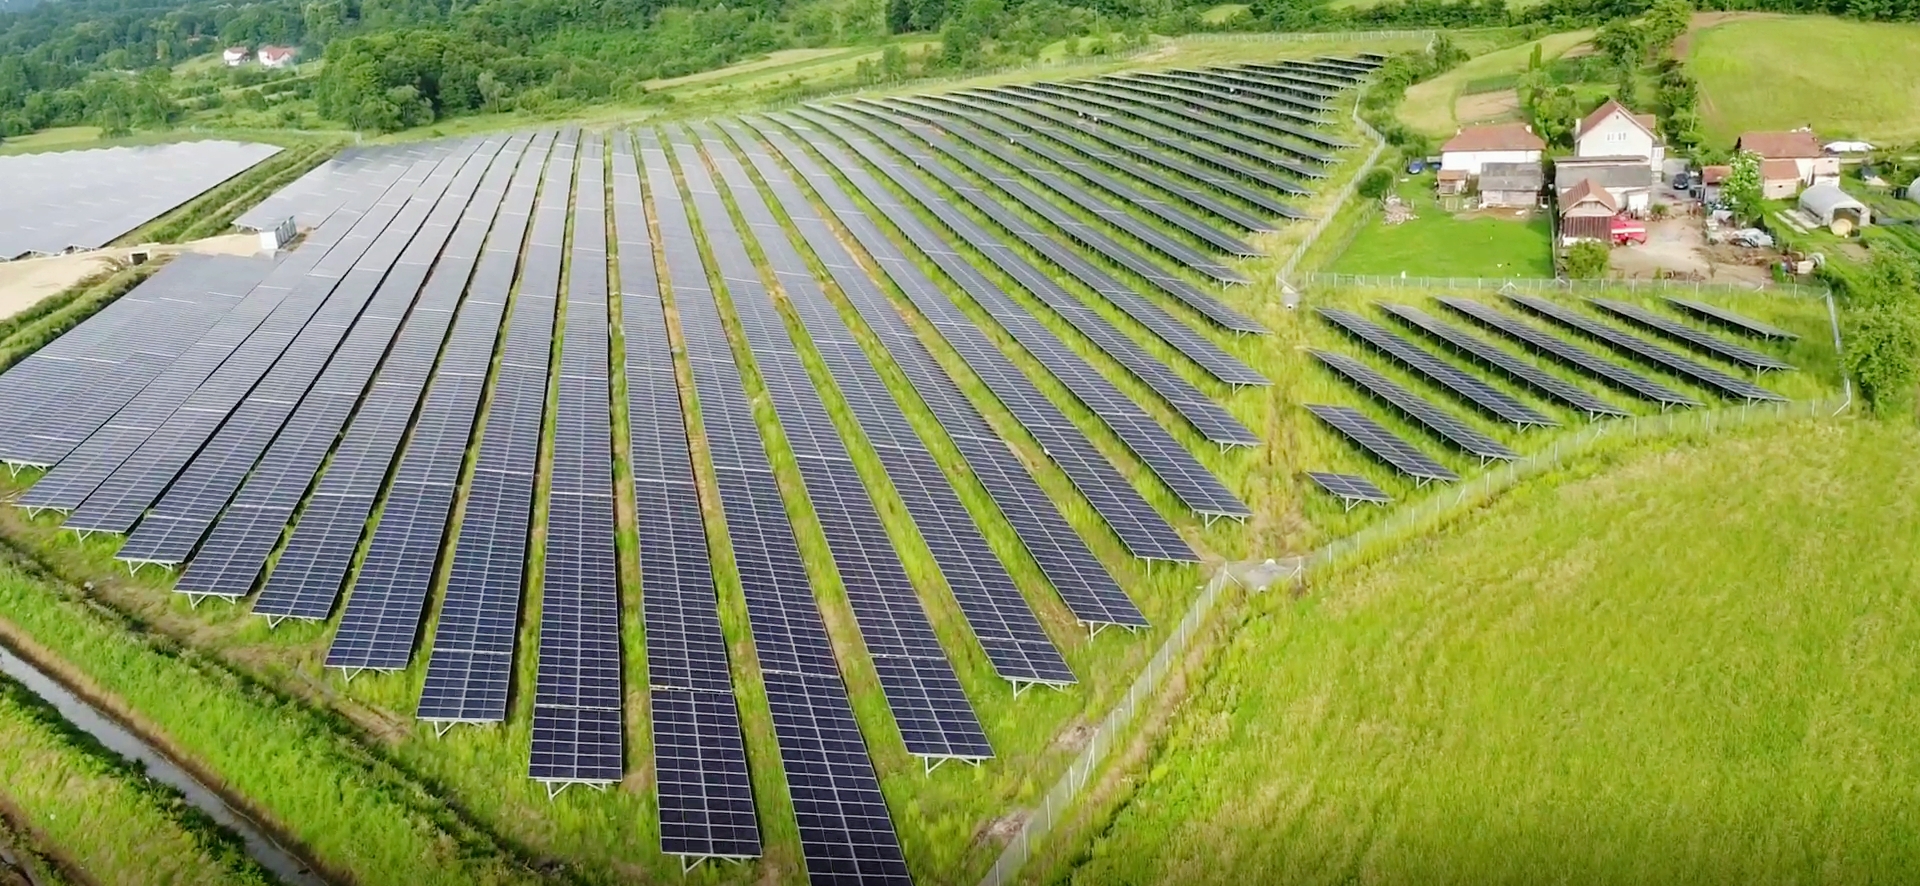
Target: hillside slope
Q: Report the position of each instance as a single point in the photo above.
(1696, 667)
(1846, 79)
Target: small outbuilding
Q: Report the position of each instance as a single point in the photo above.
(1779, 179)
(1586, 213)
(1835, 208)
(1913, 191)
(1511, 185)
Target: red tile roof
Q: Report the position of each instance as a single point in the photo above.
(1587, 190)
(1497, 137)
(1600, 114)
(1781, 145)
(1713, 175)
(1779, 170)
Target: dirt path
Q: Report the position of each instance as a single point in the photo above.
(25, 282)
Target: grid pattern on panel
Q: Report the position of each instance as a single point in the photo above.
(287, 350)
(1441, 422)
(1369, 435)
(833, 773)
(1010, 633)
(1210, 418)
(1728, 351)
(936, 718)
(1569, 354)
(1253, 123)
(1175, 466)
(1133, 158)
(1158, 149)
(1463, 384)
(383, 612)
(1166, 245)
(1008, 127)
(1645, 350)
(705, 794)
(1082, 582)
(291, 447)
(1350, 487)
(579, 663)
(1238, 85)
(64, 200)
(1737, 322)
(1489, 354)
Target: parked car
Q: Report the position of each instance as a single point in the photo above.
(1682, 180)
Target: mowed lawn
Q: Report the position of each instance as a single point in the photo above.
(1438, 244)
(1699, 666)
(1844, 78)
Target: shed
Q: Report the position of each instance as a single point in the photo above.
(1625, 179)
(1514, 185)
(1779, 179)
(1450, 182)
(1835, 208)
(1586, 212)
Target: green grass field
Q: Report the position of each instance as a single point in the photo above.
(1439, 244)
(1846, 79)
(1694, 666)
(1429, 106)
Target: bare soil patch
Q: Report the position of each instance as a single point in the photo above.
(1677, 247)
(1487, 107)
(25, 282)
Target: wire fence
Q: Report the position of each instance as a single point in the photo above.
(1257, 575)
(1550, 284)
(1321, 224)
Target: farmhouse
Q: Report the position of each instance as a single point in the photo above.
(1512, 185)
(1811, 163)
(1474, 147)
(235, 56)
(1625, 179)
(1613, 132)
(1835, 209)
(1586, 213)
(277, 56)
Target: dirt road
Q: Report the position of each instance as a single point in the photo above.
(25, 282)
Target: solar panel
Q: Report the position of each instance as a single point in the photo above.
(1306, 111)
(1350, 488)
(1427, 415)
(59, 201)
(1189, 116)
(1212, 420)
(1486, 353)
(1189, 480)
(700, 761)
(1287, 118)
(1699, 340)
(1083, 584)
(1570, 354)
(1646, 350)
(1382, 443)
(829, 775)
(1237, 83)
(1462, 384)
(1737, 322)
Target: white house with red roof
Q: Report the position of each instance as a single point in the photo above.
(277, 56)
(235, 56)
(1469, 151)
(1613, 132)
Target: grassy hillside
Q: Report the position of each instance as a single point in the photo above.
(1845, 78)
(1430, 106)
(1693, 667)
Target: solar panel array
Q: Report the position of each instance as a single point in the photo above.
(1646, 350)
(845, 832)
(1442, 423)
(700, 758)
(1189, 480)
(1463, 384)
(1369, 435)
(1075, 573)
(1568, 353)
(59, 201)
(1732, 353)
(1351, 488)
(1737, 322)
(1545, 383)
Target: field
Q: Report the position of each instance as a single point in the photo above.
(1431, 107)
(345, 771)
(1438, 243)
(1690, 666)
(1846, 79)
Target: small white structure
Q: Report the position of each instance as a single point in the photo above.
(1913, 191)
(1472, 148)
(235, 56)
(271, 239)
(1614, 133)
(1846, 147)
(277, 56)
(1835, 208)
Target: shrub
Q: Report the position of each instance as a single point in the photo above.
(1376, 184)
(1587, 260)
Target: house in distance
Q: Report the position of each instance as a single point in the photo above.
(1464, 158)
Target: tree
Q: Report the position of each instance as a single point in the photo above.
(1587, 260)
(1741, 189)
(1665, 22)
(1881, 345)
(1621, 42)
(1376, 183)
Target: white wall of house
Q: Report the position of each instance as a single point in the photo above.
(1471, 162)
(1621, 136)
(1814, 170)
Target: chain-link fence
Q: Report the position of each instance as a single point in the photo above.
(1320, 224)
(1259, 574)
(1549, 284)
